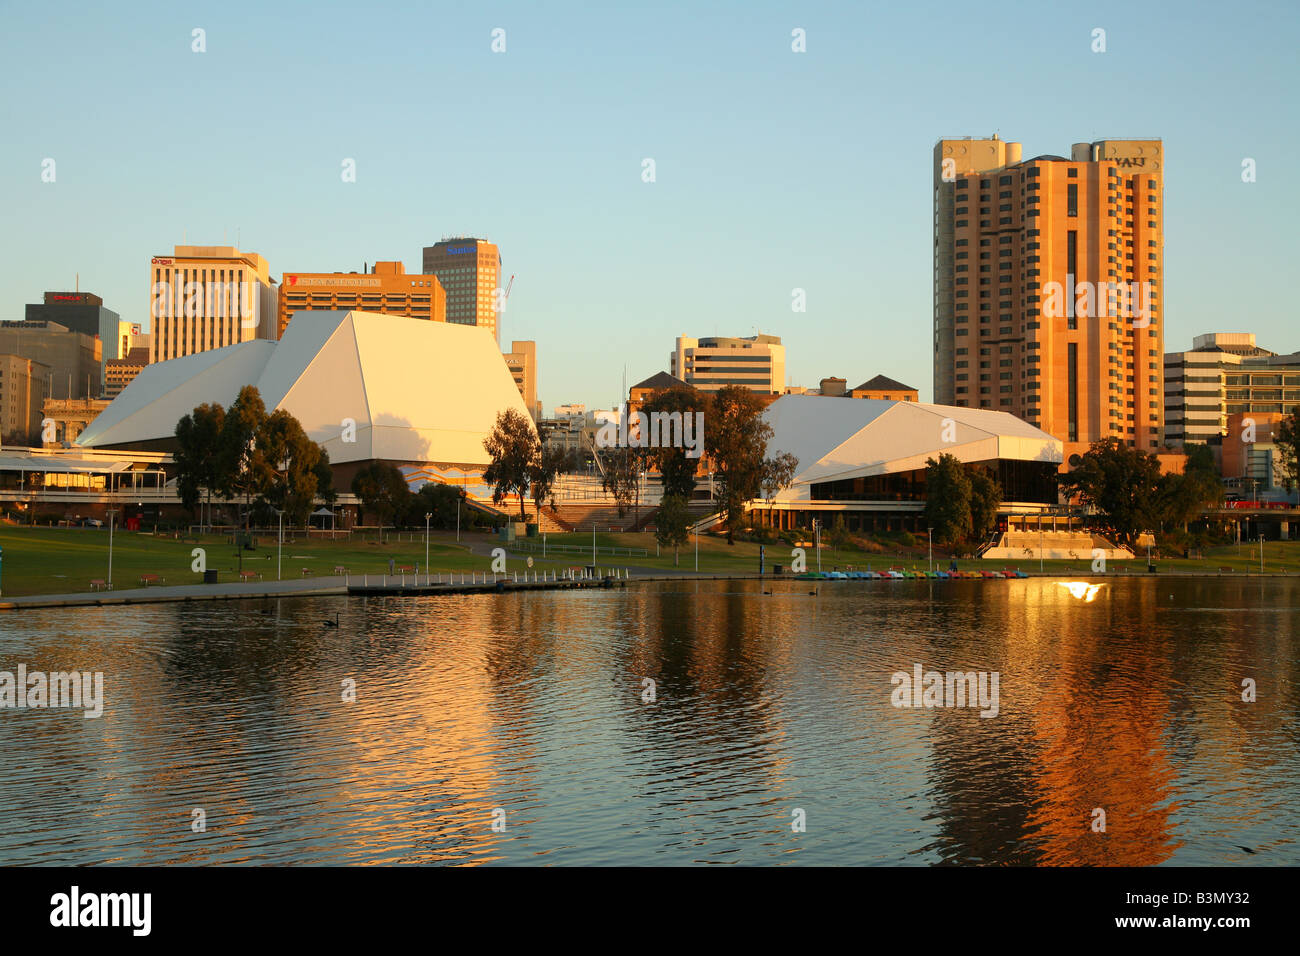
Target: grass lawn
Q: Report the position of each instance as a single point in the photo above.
(55, 560)
(718, 557)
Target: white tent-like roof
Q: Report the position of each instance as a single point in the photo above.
(836, 438)
(364, 385)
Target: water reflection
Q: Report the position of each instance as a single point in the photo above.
(532, 705)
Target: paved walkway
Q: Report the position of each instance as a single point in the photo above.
(181, 592)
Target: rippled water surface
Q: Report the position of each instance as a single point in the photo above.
(764, 705)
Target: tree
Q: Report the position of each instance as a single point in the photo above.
(676, 469)
(985, 500)
(1123, 484)
(547, 464)
(1286, 436)
(778, 475)
(198, 454)
(291, 480)
(437, 500)
(383, 491)
(242, 469)
(621, 476)
(672, 523)
(736, 439)
(325, 479)
(513, 446)
(1180, 499)
(948, 499)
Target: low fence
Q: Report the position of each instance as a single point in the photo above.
(537, 547)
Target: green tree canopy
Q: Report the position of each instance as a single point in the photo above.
(736, 437)
(948, 494)
(1123, 484)
(513, 446)
(671, 523)
(677, 471)
(985, 500)
(198, 454)
(1286, 436)
(383, 491)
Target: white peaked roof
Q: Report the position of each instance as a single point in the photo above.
(836, 438)
(415, 390)
(151, 405)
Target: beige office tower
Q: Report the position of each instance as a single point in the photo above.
(1048, 286)
(470, 272)
(522, 362)
(756, 362)
(208, 297)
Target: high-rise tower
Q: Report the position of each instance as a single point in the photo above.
(1048, 286)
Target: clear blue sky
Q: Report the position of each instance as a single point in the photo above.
(775, 170)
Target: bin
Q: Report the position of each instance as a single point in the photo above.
(777, 568)
(210, 577)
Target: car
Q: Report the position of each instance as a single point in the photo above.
(91, 523)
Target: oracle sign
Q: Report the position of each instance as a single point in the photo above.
(162, 262)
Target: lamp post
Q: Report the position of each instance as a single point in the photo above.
(279, 544)
(1040, 541)
(929, 537)
(427, 516)
(112, 513)
(458, 498)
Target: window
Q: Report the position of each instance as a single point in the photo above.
(1072, 200)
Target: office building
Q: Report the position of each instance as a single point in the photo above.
(23, 384)
(1251, 460)
(386, 289)
(1224, 374)
(72, 360)
(1048, 286)
(82, 312)
(129, 336)
(710, 364)
(470, 271)
(208, 297)
(522, 362)
(119, 373)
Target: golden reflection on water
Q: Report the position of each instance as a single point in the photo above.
(1123, 698)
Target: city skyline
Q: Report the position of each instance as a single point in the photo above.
(611, 269)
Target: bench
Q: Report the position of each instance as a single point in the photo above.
(306, 571)
(340, 569)
(250, 575)
(98, 584)
(148, 579)
(1225, 569)
(404, 569)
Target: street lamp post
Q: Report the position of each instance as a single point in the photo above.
(427, 516)
(1040, 541)
(929, 537)
(279, 543)
(112, 513)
